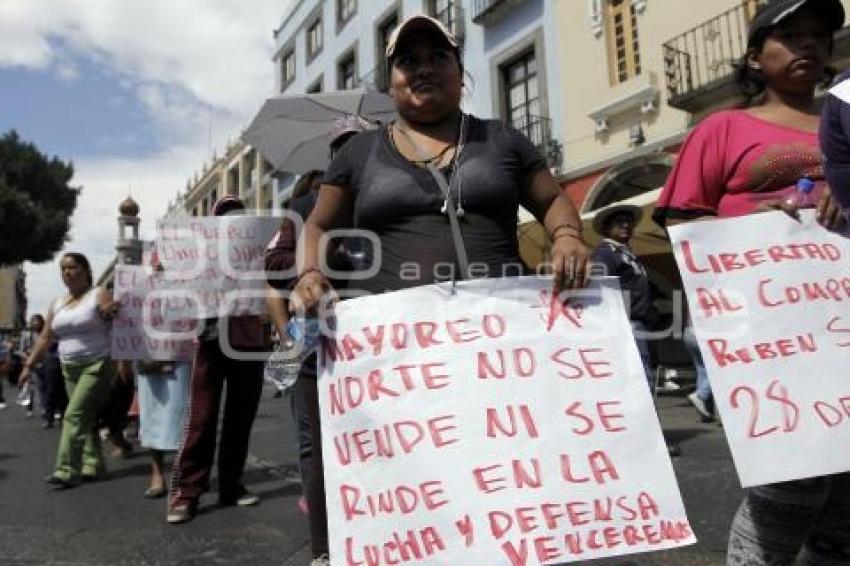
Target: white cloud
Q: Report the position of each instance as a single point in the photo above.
(200, 67)
(217, 51)
(94, 231)
(67, 71)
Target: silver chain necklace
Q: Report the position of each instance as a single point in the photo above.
(455, 165)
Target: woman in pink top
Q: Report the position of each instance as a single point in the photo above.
(748, 160)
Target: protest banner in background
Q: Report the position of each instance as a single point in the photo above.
(770, 302)
(140, 333)
(493, 426)
(217, 261)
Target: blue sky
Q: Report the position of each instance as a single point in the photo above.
(91, 114)
(137, 93)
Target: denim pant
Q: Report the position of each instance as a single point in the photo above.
(298, 399)
(640, 329)
(51, 389)
(703, 386)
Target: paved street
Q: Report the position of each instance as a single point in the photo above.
(110, 522)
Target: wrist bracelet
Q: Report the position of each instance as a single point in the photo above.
(564, 226)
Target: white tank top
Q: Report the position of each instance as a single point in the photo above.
(83, 334)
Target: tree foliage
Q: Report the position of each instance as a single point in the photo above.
(36, 202)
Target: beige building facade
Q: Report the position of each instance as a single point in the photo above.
(241, 171)
(636, 79)
(13, 298)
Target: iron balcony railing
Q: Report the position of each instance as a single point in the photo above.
(486, 11)
(539, 130)
(452, 17)
(703, 58)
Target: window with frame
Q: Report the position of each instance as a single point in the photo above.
(345, 10)
(522, 96)
(751, 7)
(623, 42)
(316, 87)
(446, 11)
(315, 38)
(347, 73)
(385, 30)
(287, 69)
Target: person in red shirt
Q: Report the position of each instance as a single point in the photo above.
(748, 160)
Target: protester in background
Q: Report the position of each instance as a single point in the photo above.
(163, 389)
(380, 181)
(280, 257)
(115, 415)
(81, 321)
(51, 385)
(244, 378)
(614, 257)
(748, 160)
(835, 143)
(28, 338)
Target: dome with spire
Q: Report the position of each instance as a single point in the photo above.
(128, 207)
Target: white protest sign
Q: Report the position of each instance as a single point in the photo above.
(493, 426)
(770, 302)
(140, 331)
(217, 262)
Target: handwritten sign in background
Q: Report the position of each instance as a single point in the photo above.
(132, 338)
(770, 302)
(215, 259)
(491, 427)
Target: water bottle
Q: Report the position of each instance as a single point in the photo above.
(301, 339)
(802, 196)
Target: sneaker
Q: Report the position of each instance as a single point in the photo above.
(23, 398)
(180, 513)
(2, 404)
(700, 406)
(669, 385)
(243, 498)
(247, 499)
(323, 560)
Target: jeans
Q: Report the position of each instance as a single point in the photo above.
(51, 389)
(298, 399)
(639, 329)
(703, 390)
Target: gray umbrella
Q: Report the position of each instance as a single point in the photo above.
(293, 132)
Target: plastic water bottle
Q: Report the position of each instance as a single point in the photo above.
(301, 339)
(802, 196)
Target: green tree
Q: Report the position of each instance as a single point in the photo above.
(36, 202)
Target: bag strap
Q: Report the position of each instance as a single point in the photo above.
(457, 237)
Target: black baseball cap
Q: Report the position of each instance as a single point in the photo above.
(774, 12)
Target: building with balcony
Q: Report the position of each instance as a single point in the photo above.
(339, 44)
(241, 171)
(648, 72)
